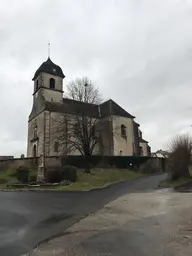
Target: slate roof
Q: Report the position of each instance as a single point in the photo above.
(112, 108)
(142, 140)
(49, 67)
(136, 124)
(74, 107)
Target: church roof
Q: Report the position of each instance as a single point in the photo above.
(136, 124)
(110, 107)
(142, 140)
(73, 107)
(49, 67)
(93, 110)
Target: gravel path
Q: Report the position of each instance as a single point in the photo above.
(138, 224)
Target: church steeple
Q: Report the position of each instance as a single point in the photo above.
(48, 81)
(49, 67)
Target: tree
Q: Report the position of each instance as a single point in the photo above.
(79, 129)
(180, 156)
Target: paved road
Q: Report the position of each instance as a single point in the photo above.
(156, 223)
(27, 218)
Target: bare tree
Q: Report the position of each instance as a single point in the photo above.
(180, 156)
(79, 129)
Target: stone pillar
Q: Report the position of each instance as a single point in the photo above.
(41, 170)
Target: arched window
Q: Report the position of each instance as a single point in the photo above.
(37, 85)
(56, 146)
(123, 130)
(52, 83)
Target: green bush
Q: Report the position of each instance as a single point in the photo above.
(22, 174)
(33, 178)
(3, 181)
(54, 175)
(69, 173)
(11, 182)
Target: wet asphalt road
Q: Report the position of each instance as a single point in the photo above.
(28, 218)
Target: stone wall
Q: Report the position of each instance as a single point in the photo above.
(16, 162)
(29, 162)
(123, 145)
(144, 146)
(103, 162)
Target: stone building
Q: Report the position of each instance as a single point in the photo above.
(121, 136)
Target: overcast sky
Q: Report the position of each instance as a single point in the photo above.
(138, 52)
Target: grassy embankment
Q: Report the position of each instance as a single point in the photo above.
(176, 183)
(97, 179)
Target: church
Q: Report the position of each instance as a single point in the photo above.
(49, 104)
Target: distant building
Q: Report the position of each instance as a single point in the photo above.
(160, 153)
(49, 104)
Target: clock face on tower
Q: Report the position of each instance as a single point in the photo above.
(54, 70)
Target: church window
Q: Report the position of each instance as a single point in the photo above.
(52, 83)
(37, 85)
(123, 130)
(56, 146)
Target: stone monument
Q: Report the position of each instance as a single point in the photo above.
(41, 170)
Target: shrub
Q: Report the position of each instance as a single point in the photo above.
(11, 182)
(149, 167)
(3, 181)
(180, 156)
(69, 173)
(54, 175)
(33, 178)
(22, 174)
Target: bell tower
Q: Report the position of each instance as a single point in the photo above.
(48, 82)
(48, 89)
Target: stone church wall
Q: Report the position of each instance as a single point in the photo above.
(123, 145)
(144, 148)
(37, 122)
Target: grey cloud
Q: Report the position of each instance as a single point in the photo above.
(138, 52)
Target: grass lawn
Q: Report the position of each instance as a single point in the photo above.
(175, 183)
(8, 175)
(100, 178)
(97, 179)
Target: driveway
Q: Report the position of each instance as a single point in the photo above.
(27, 218)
